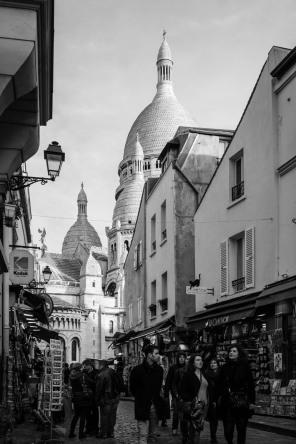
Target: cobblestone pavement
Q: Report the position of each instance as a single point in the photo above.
(125, 432)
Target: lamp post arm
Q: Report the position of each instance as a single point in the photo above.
(19, 182)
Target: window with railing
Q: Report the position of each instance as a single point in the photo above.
(153, 233)
(152, 309)
(237, 183)
(163, 221)
(163, 304)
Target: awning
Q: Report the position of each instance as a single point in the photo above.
(277, 292)
(156, 329)
(43, 333)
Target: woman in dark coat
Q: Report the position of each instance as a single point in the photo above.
(194, 384)
(212, 373)
(82, 402)
(236, 375)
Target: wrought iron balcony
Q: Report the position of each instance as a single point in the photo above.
(238, 191)
(239, 284)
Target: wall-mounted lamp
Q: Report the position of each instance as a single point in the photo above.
(10, 210)
(46, 273)
(54, 157)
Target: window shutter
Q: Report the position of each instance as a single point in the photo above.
(135, 258)
(140, 253)
(224, 268)
(250, 257)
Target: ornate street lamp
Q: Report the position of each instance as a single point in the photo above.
(54, 157)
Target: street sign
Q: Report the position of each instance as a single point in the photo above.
(196, 290)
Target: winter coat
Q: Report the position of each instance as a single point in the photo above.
(77, 381)
(145, 385)
(212, 378)
(190, 385)
(177, 381)
(171, 378)
(106, 387)
(236, 375)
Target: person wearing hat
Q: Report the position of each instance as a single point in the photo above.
(92, 419)
(82, 399)
(169, 388)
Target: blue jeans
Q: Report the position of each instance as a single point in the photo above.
(147, 429)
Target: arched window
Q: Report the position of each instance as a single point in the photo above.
(111, 327)
(74, 349)
(126, 245)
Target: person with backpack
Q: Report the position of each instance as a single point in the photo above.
(107, 398)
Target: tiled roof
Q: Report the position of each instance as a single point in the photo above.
(62, 268)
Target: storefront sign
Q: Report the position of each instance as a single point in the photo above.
(217, 321)
(21, 267)
(196, 290)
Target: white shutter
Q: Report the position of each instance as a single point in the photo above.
(250, 257)
(224, 268)
(135, 258)
(140, 253)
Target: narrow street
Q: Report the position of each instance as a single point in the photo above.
(125, 432)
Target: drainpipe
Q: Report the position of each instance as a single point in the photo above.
(5, 306)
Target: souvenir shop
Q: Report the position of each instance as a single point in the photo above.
(264, 323)
(32, 373)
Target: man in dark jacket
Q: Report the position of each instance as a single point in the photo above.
(107, 397)
(145, 385)
(92, 420)
(169, 387)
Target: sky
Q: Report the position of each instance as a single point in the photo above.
(105, 74)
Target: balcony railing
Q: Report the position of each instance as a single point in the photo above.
(239, 284)
(238, 191)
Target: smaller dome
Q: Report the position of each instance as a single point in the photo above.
(164, 52)
(138, 149)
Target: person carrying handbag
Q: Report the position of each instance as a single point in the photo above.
(236, 388)
(194, 396)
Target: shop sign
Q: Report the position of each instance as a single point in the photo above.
(196, 290)
(217, 321)
(21, 267)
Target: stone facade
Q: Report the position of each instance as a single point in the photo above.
(83, 315)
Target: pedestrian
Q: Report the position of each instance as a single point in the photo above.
(195, 395)
(145, 385)
(168, 388)
(92, 420)
(212, 373)
(236, 376)
(107, 398)
(82, 399)
(176, 392)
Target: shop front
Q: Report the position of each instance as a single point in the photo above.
(268, 338)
